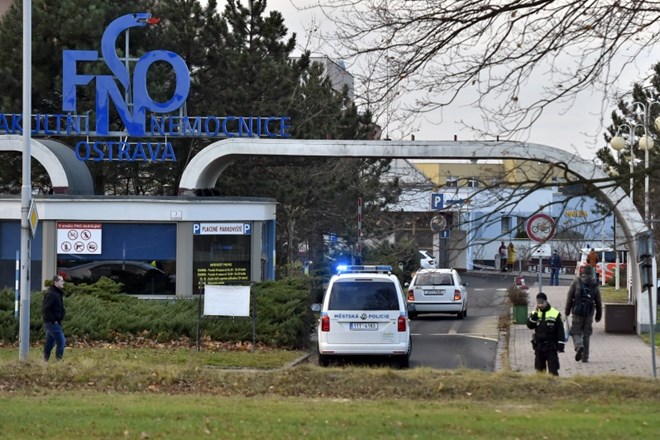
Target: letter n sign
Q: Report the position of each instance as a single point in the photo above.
(437, 201)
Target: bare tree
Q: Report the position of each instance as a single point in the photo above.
(511, 58)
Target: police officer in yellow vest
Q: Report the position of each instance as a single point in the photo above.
(548, 337)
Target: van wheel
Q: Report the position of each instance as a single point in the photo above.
(324, 361)
(403, 362)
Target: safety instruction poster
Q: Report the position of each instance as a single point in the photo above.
(79, 238)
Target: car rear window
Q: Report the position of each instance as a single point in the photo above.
(363, 295)
(434, 279)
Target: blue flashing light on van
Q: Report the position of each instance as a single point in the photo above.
(381, 268)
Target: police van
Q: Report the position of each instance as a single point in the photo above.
(364, 313)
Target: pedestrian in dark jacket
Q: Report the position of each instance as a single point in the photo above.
(548, 339)
(584, 301)
(53, 312)
(555, 266)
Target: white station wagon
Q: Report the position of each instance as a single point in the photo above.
(438, 291)
(364, 312)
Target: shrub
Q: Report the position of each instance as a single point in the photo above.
(517, 296)
(100, 312)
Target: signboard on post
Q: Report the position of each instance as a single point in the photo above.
(540, 227)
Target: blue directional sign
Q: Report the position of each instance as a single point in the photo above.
(437, 200)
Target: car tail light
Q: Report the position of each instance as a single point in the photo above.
(457, 295)
(325, 323)
(401, 324)
(411, 295)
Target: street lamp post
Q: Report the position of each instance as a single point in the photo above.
(618, 142)
(646, 144)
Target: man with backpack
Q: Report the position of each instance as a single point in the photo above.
(583, 301)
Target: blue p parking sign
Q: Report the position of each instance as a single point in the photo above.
(437, 201)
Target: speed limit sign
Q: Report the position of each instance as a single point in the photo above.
(540, 227)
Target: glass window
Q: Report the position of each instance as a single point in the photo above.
(363, 295)
(505, 225)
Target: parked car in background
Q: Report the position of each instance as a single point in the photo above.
(364, 313)
(427, 261)
(438, 291)
(138, 277)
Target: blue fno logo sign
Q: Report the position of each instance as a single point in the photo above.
(144, 116)
(107, 89)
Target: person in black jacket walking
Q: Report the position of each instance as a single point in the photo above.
(584, 302)
(549, 338)
(53, 312)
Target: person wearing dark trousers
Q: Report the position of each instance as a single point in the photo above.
(548, 338)
(555, 266)
(53, 312)
(584, 302)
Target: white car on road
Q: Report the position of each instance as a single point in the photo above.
(438, 291)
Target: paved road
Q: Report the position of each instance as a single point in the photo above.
(445, 342)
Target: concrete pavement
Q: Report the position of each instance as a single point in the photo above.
(610, 353)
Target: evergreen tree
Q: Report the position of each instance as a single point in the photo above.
(240, 64)
(629, 118)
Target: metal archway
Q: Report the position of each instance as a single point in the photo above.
(67, 174)
(205, 168)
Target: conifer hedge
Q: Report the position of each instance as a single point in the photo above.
(100, 312)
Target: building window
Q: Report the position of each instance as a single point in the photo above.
(452, 182)
(520, 227)
(473, 183)
(505, 225)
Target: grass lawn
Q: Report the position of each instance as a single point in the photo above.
(73, 415)
(161, 393)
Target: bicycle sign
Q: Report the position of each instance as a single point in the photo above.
(540, 227)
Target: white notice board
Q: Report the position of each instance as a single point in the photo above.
(226, 300)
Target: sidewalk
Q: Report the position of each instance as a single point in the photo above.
(610, 353)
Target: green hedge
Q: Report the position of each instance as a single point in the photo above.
(100, 312)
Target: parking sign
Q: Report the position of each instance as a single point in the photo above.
(437, 200)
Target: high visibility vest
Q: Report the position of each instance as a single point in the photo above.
(545, 328)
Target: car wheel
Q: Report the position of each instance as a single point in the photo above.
(461, 314)
(324, 361)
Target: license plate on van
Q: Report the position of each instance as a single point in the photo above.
(363, 326)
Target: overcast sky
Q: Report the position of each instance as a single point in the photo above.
(576, 129)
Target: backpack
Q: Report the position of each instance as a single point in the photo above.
(583, 305)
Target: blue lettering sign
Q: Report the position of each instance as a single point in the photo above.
(107, 89)
(98, 151)
(112, 90)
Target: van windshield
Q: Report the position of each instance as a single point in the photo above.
(363, 295)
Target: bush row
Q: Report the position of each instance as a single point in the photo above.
(100, 312)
